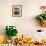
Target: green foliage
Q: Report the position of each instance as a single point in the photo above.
(45, 17)
(11, 31)
(41, 17)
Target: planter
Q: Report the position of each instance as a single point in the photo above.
(43, 23)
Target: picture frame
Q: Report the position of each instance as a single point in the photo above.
(16, 10)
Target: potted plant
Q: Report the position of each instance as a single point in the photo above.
(42, 17)
(10, 31)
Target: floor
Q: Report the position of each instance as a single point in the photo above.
(30, 45)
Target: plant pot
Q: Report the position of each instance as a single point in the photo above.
(43, 23)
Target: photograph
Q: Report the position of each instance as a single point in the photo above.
(16, 10)
(22, 22)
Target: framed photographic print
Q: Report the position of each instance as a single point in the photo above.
(16, 10)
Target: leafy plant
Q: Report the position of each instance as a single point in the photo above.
(41, 17)
(11, 31)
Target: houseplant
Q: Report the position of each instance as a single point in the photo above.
(42, 17)
(10, 31)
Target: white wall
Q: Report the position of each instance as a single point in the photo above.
(26, 24)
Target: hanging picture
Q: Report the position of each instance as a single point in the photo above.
(16, 10)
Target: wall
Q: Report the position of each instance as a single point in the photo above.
(26, 24)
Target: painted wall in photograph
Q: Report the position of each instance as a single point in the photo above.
(26, 24)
